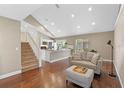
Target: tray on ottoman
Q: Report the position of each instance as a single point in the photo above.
(80, 69)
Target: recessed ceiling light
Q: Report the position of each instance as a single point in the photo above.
(52, 23)
(41, 27)
(93, 23)
(78, 27)
(90, 9)
(32, 32)
(72, 15)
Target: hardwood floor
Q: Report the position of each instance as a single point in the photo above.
(53, 76)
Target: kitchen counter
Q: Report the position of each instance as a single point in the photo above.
(55, 55)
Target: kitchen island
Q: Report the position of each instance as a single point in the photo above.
(55, 55)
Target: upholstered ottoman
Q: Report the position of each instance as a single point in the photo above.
(83, 80)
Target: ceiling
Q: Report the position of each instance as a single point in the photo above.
(72, 19)
(66, 19)
(17, 11)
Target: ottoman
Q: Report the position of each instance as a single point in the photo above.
(83, 80)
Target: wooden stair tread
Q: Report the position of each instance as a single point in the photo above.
(28, 69)
(29, 60)
(23, 51)
(28, 57)
(29, 65)
(27, 54)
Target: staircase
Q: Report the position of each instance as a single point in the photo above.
(28, 58)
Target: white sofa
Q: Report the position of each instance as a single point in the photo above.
(87, 59)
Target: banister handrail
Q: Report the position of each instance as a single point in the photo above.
(32, 39)
(35, 45)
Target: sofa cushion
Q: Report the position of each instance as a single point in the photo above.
(84, 55)
(87, 64)
(89, 56)
(95, 58)
(76, 56)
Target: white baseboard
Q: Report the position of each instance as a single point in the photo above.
(118, 76)
(108, 60)
(40, 64)
(10, 74)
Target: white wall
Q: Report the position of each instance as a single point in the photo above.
(119, 47)
(10, 51)
(96, 41)
(23, 36)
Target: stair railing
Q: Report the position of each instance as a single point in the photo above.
(34, 45)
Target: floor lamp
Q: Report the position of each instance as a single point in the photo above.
(112, 66)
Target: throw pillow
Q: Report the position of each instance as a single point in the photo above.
(90, 55)
(76, 56)
(83, 55)
(95, 58)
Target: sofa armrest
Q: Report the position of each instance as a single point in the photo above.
(100, 60)
(70, 58)
(99, 64)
